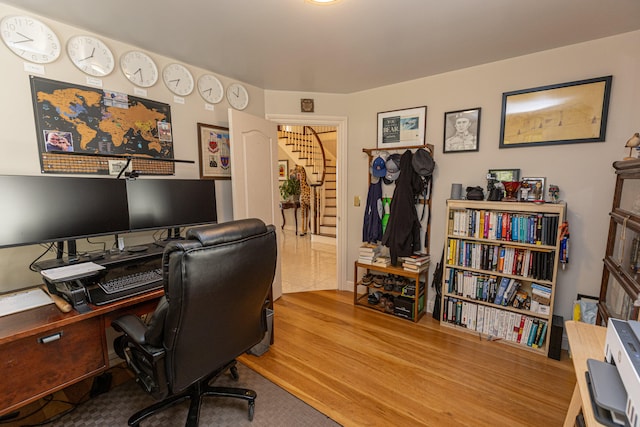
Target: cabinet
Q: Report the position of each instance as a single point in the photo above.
(500, 270)
(407, 289)
(620, 285)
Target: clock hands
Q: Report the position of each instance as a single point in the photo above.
(27, 39)
(90, 56)
(175, 80)
(208, 90)
(236, 92)
(139, 72)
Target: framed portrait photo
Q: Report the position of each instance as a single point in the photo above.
(536, 189)
(215, 152)
(461, 131)
(566, 113)
(402, 128)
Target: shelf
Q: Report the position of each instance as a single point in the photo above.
(500, 307)
(497, 273)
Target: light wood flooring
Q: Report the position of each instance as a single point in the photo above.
(365, 368)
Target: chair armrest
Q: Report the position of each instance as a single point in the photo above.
(132, 326)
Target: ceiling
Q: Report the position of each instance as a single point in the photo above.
(346, 47)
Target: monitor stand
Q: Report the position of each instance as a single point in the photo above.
(72, 251)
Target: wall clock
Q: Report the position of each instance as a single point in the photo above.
(178, 79)
(210, 88)
(237, 96)
(139, 68)
(90, 55)
(30, 39)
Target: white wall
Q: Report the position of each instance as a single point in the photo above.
(19, 144)
(583, 172)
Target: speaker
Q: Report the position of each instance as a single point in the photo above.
(555, 341)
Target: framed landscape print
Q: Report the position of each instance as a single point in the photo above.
(402, 128)
(215, 151)
(566, 113)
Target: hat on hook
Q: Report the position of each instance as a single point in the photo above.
(378, 167)
(393, 167)
(422, 162)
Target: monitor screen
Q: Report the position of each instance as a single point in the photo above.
(38, 209)
(167, 203)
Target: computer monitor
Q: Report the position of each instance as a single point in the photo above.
(37, 209)
(170, 203)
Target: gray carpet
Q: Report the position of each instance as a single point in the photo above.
(274, 407)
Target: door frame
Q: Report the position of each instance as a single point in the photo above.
(340, 122)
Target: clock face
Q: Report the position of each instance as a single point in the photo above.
(237, 96)
(210, 88)
(178, 79)
(90, 55)
(139, 68)
(30, 39)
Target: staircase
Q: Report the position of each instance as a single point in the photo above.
(304, 145)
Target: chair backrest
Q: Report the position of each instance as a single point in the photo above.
(216, 284)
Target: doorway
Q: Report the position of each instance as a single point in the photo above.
(312, 262)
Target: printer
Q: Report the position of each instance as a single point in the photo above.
(615, 383)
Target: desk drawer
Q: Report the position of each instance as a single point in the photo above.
(35, 366)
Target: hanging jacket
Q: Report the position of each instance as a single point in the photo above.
(402, 235)
(372, 227)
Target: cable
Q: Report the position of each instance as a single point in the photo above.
(31, 266)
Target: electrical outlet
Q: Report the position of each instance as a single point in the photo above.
(356, 201)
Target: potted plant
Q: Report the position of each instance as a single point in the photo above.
(290, 189)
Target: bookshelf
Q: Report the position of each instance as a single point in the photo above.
(405, 305)
(620, 285)
(500, 270)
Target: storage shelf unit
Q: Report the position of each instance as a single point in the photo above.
(620, 285)
(508, 245)
(418, 300)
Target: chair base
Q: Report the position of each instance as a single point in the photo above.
(195, 393)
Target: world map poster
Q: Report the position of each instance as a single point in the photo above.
(73, 119)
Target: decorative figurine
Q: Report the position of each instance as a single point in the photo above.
(634, 141)
(494, 192)
(554, 193)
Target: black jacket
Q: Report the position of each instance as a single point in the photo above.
(402, 234)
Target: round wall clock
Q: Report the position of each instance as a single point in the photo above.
(210, 88)
(30, 39)
(90, 55)
(139, 68)
(178, 79)
(237, 96)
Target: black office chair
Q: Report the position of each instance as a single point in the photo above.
(217, 283)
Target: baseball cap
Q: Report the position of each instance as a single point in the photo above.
(378, 167)
(422, 162)
(393, 167)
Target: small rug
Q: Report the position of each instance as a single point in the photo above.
(274, 407)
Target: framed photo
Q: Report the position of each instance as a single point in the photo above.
(566, 113)
(215, 152)
(402, 128)
(461, 131)
(283, 169)
(536, 189)
(505, 175)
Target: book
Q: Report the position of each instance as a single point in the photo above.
(504, 282)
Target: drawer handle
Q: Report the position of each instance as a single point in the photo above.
(50, 338)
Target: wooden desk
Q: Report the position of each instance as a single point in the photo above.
(74, 348)
(585, 342)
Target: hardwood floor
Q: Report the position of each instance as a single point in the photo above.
(362, 367)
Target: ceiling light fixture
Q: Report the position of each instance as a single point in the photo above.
(322, 2)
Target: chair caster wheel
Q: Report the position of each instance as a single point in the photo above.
(252, 407)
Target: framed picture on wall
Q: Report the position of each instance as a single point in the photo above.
(566, 113)
(402, 128)
(283, 168)
(215, 151)
(461, 131)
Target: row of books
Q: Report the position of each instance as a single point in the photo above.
(496, 323)
(533, 228)
(416, 262)
(502, 259)
(500, 291)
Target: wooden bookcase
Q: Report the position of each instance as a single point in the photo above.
(491, 243)
(620, 285)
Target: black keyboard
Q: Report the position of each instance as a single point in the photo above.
(125, 286)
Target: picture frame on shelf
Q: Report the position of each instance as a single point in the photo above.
(461, 131)
(283, 169)
(402, 128)
(505, 175)
(565, 113)
(536, 191)
(214, 152)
